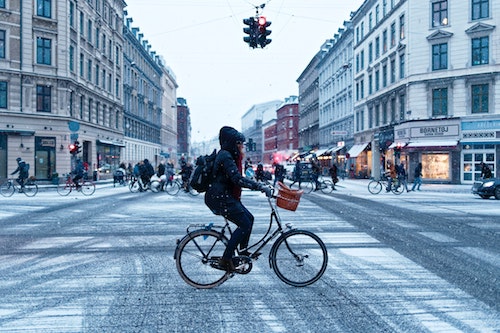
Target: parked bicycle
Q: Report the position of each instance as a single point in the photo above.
(376, 186)
(298, 257)
(173, 187)
(29, 188)
(85, 186)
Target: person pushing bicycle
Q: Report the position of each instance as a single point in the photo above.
(224, 195)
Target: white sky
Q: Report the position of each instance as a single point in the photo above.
(217, 73)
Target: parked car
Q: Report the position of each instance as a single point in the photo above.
(487, 188)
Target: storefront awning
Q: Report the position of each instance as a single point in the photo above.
(402, 144)
(445, 143)
(357, 149)
(18, 132)
(320, 152)
(335, 149)
(111, 143)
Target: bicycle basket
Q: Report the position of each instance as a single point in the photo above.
(287, 198)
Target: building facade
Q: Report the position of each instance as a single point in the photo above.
(425, 87)
(142, 101)
(60, 82)
(287, 128)
(335, 81)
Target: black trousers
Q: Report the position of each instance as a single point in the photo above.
(244, 220)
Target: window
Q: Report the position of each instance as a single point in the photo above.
(82, 24)
(480, 96)
(370, 19)
(384, 8)
(2, 3)
(43, 8)
(3, 94)
(480, 50)
(370, 53)
(440, 102)
(384, 41)
(90, 109)
(71, 58)
(439, 56)
(82, 61)
(89, 70)
(362, 59)
(43, 98)
(97, 37)
(384, 113)
(370, 84)
(402, 66)
(370, 117)
(362, 88)
(393, 34)
(82, 104)
(384, 76)
(377, 12)
(43, 51)
(402, 27)
(377, 80)
(2, 44)
(402, 105)
(97, 73)
(480, 9)
(440, 13)
(89, 31)
(393, 70)
(72, 14)
(377, 47)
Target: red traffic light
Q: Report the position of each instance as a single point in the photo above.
(71, 147)
(262, 21)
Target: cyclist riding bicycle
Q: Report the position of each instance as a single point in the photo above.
(224, 195)
(22, 168)
(78, 173)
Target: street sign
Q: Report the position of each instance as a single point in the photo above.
(339, 132)
(74, 126)
(73, 136)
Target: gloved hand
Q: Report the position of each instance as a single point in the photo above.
(266, 189)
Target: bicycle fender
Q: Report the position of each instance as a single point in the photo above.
(273, 248)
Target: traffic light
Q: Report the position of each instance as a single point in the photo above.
(78, 147)
(74, 148)
(263, 32)
(251, 31)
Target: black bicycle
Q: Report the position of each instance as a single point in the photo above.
(29, 188)
(298, 257)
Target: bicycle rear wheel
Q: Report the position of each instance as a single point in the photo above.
(374, 187)
(64, 189)
(88, 188)
(299, 258)
(172, 188)
(197, 256)
(7, 189)
(327, 186)
(30, 189)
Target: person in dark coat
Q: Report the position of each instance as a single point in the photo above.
(485, 171)
(224, 194)
(297, 174)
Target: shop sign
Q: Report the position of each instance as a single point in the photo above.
(48, 142)
(434, 131)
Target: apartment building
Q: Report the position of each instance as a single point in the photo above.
(60, 81)
(425, 78)
(335, 101)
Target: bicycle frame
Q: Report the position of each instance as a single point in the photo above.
(260, 244)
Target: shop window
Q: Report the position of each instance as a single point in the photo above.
(436, 166)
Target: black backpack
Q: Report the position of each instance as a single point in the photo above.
(203, 173)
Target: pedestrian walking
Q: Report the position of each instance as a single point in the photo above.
(417, 182)
(403, 176)
(297, 174)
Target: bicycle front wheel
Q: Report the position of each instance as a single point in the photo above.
(397, 188)
(7, 189)
(299, 258)
(172, 188)
(30, 189)
(327, 186)
(374, 187)
(197, 255)
(308, 186)
(88, 188)
(134, 186)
